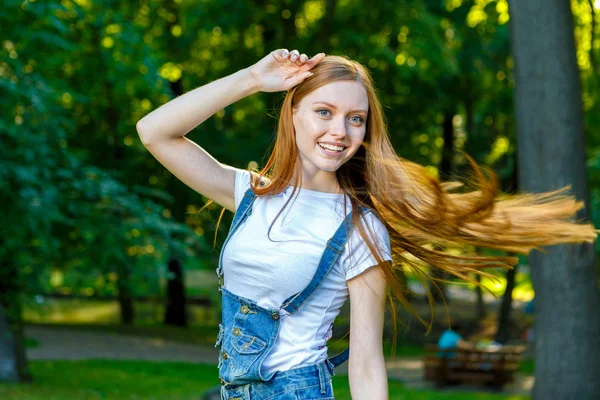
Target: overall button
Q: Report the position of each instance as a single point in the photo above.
(225, 356)
(275, 315)
(237, 332)
(244, 309)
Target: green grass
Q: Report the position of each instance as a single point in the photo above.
(527, 367)
(133, 380)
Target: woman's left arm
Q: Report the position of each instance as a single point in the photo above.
(366, 367)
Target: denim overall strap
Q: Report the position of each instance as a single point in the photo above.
(335, 247)
(243, 211)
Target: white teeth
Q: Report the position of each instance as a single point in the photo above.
(330, 147)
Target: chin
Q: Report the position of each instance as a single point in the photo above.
(329, 167)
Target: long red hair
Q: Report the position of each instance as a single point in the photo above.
(422, 214)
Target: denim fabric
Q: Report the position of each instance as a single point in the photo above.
(312, 382)
(248, 332)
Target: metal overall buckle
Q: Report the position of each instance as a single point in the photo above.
(220, 278)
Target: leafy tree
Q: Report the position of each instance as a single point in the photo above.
(58, 206)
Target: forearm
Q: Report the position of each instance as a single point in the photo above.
(182, 114)
(368, 379)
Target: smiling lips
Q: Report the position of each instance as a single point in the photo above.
(332, 148)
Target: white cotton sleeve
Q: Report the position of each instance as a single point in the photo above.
(357, 257)
(242, 183)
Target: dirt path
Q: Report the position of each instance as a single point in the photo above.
(63, 344)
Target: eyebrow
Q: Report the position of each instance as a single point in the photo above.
(334, 107)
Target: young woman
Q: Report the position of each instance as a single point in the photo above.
(323, 220)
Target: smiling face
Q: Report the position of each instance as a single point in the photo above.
(330, 124)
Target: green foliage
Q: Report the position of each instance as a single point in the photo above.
(65, 209)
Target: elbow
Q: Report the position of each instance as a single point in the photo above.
(144, 132)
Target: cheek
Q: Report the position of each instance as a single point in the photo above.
(315, 126)
(357, 137)
(309, 131)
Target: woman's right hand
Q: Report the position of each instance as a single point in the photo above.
(282, 70)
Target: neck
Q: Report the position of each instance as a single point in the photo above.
(323, 181)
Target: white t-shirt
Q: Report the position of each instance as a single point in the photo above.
(270, 271)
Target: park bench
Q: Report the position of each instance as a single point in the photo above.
(493, 367)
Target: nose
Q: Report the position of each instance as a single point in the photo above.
(338, 127)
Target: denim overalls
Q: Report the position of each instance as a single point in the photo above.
(248, 332)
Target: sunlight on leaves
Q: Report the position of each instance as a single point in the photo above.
(401, 59)
(146, 105)
(176, 30)
(502, 10)
(67, 100)
(451, 5)
(56, 278)
(170, 71)
(85, 4)
(108, 42)
(432, 171)
(499, 148)
(476, 16)
(113, 29)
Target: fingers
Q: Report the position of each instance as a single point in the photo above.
(315, 60)
(298, 78)
(295, 58)
(281, 55)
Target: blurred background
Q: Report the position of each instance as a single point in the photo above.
(107, 282)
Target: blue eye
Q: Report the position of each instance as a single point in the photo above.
(326, 113)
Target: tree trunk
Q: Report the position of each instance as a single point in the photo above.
(481, 310)
(20, 351)
(592, 52)
(445, 172)
(327, 23)
(8, 356)
(551, 155)
(175, 311)
(504, 322)
(13, 358)
(125, 295)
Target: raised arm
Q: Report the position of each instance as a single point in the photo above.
(163, 130)
(163, 133)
